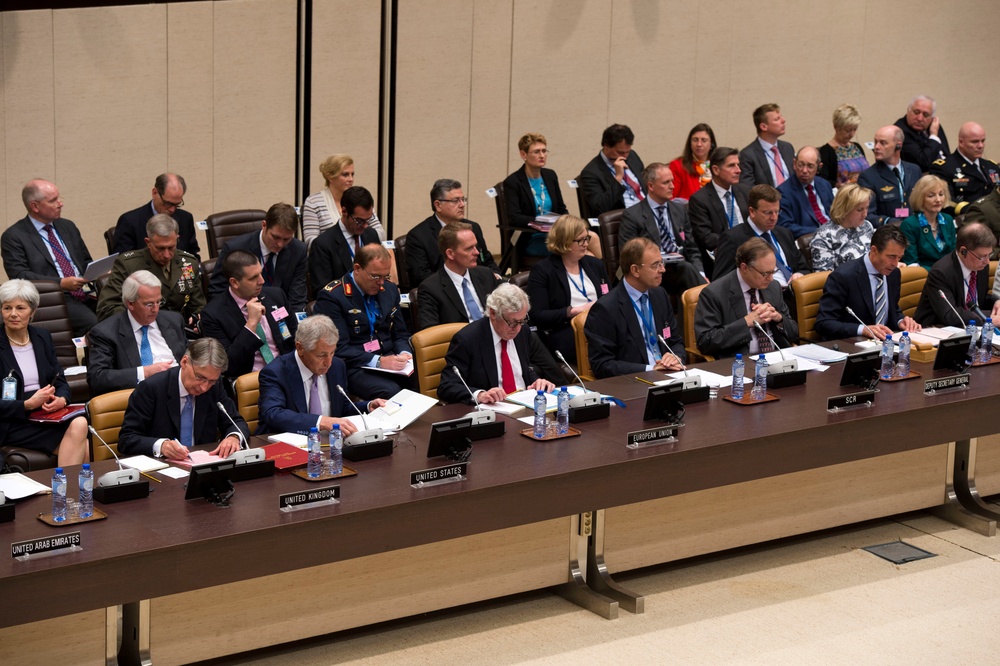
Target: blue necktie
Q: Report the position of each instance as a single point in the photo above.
(667, 243)
(730, 211)
(782, 264)
(647, 318)
(475, 314)
(187, 422)
(145, 351)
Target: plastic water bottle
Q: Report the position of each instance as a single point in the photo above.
(336, 450)
(887, 363)
(315, 465)
(903, 364)
(86, 491)
(562, 413)
(986, 340)
(759, 390)
(540, 423)
(738, 369)
(971, 331)
(59, 495)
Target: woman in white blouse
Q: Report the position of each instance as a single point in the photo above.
(321, 211)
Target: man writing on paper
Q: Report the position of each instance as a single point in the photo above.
(964, 278)
(172, 411)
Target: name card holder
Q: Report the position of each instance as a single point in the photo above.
(640, 439)
(840, 403)
(46, 547)
(953, 383)
(437, 476)
(309, 499)
(6, 511)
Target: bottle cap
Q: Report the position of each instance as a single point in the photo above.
(59, 470)
(739, 356)
(540, 392)
(313, 429)
(336, 426)
(86, 465)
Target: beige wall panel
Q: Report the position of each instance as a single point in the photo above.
(345, 88)
(433, 98)
(110, 111)
(254, 103)
(3, 134)
(190, 117)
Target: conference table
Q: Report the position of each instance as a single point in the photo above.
(172, 581)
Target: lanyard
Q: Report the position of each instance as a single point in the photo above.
(579, 287)
(647, 325)
(372, 314)
(777, 163)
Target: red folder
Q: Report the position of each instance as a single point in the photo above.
(286, 456)
(65, 414)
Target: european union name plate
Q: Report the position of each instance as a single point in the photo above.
(24, 549)
(301, 500)
(651, 436)
(932, 386)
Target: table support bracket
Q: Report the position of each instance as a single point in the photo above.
(576, 588)
(128, 634)
(963, 505)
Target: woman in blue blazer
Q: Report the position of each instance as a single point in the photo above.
(931, 233)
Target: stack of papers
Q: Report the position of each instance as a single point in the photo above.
(816, 353)
(18, 486)
(526, 398)
(143, 463)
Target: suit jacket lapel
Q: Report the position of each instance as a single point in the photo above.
(40, 245)
(487, 356)
(126, 338)
(626, 309)
(736, 300)
(174, 400)
(293, 380)
(865, 287)
(449, 290)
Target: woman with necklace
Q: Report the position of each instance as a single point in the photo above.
(34, 381)
(691, 170)
(930, 232)
(321, 210)
(843, 159)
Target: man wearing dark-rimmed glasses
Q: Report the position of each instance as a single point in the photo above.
(331, 255)
(168, 194)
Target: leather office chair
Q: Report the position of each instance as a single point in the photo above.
(109, 239)
(106, 413)
(581, 202)
(27, 460)
(911, 284)
(804, 249)
(689, 301)
(247, 390)
(993, 273)
(521, 279)
(414, 309)
(429, 348)
(582, 348)
(608, 223)
(403, 273)
(53, 315)
(230, 224)
(506, 231)
(808, 289)
(207, 268)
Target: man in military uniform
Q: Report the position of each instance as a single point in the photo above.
(179, 271)
(969, 175)
(986, 210)
(365, 307)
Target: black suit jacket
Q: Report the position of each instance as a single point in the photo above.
(520, 200)
(922, 150)
(331, 257)
(946, 275)
(154, 412)
(549, 294)
(130, 232)
(600, 189)
(708, 215)
(26, 255)
(879, 179)
(222, 319)
(719, 327)
(639, 221)
(755, 166)
(849, 287)
(289, 269)
(614, 337)
(114, 354)
(49, 372)
(729, 242)
(438, 302)
(423, 256)
(472, 352)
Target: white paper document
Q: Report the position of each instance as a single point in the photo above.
(407, 369)
(99, 268)
(18, 486)
(402, 409)
(143, 463)
(817, 353)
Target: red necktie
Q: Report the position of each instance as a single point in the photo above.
(970, 298)
(814, 202)
(779, 173)
(65, 265)
(635, 186)
(508, 383)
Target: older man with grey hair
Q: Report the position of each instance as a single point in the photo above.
(495, 355)
(300, 391)
(924, 140)
(138, 342)
(175, 410)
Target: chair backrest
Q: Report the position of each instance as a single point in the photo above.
(247, 390)
(429, 348)
(608, 224)
(581, 202)
(503, 220)
(415, 307)
(230, 224)
(804, 249)
(582, 348)
(689, 302)
(521, 279)
(207, 268)
(912, 279)
(993, 273)
(106, 413)
(402, 274)
(109, 239)
(53, 315)
(808, 289)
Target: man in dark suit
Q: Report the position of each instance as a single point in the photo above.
(282, 255)
(924, 140)
(168, 197)
(805, 199)
(767, 159)
(870, 287)
(729, 308)
(969, 175)
(963, 276)
(298, 391)
(137, 343)
(765, 203)
(250, 320)
(331, 255)
(720, 205)
(624, 327)
(365, 308)
(666, 224)
(45, 246)
(890, 178)
(423, 257)
(458, 290)
(612, 180)
(169, 413)
(482, 351)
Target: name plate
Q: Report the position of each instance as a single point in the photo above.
(438, 475)
(851, 400)
(651, 437)
(34, 547)
(309, 498)
(961, 382)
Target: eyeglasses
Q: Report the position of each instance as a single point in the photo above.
(515, 323)
(767, 274)
(150, 305)
(456, 200)
(362, 222)
(656, 265)
(204, 380)
(171, 204)
(376, 278)
(982, 259)
(582, 242)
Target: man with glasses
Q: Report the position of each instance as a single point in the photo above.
(250, 320)
(729, 309)
(423, 258)
(179, 273)
(331, 255)
(496, 354)
(964, 278)
(624, 327)
(138, 342)
(805, 199)
(175, 410)
(168, 198)
(282, 255)
(373, 340)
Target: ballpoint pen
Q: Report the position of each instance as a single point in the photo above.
(644, 381)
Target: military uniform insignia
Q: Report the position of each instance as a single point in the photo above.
(939, 162)
(333, 285)
(888, 188)
(187, 270)
(347, 289)
(354, 311)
